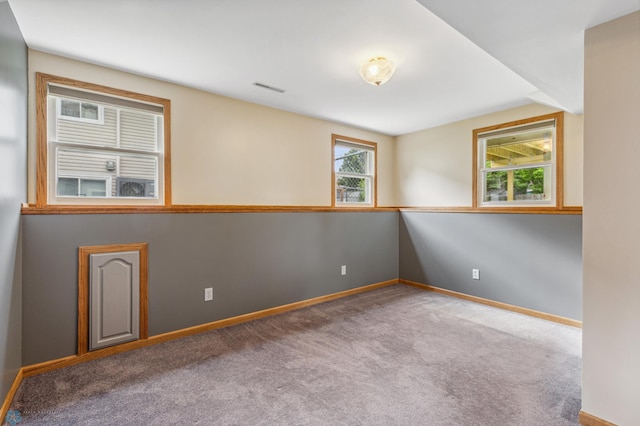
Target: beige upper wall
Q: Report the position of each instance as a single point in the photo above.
(226, 151)
(611, 293)
(434, 166)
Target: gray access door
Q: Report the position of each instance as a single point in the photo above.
(114, 298)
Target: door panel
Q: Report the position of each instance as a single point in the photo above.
(114, 298)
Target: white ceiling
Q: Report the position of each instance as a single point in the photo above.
(501, 54)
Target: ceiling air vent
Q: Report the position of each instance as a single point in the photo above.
(266, 86)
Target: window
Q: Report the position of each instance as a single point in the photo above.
(98, 145)
(82, 187)
(81, 111)
(519, 164)
(354, 172)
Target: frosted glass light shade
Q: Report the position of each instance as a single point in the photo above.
(377, 71)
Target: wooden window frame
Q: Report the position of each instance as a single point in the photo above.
(42, 145)
(335, 139)
(559, 168)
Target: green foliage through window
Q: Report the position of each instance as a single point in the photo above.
(528, 181)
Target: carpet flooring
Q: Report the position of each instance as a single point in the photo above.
(394, 356)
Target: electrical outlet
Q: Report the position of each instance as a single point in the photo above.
(343, 270)
(475, 274)
(208, 294)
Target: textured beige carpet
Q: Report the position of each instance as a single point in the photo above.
(393, 356)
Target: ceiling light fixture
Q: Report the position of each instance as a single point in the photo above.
(377, 71)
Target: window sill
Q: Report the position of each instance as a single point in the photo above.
(503, 210)
(186, 208)
(353, 206)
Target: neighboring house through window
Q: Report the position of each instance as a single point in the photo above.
(354, 172)
(519, 163)
(81, 111)
(83, 187)
(101, 145)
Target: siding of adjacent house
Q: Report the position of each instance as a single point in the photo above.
(137, 131)
(121, 128)
(85, 133)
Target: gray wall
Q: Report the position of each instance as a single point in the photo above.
(253, 260)
(532, 261)
(13, 180)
